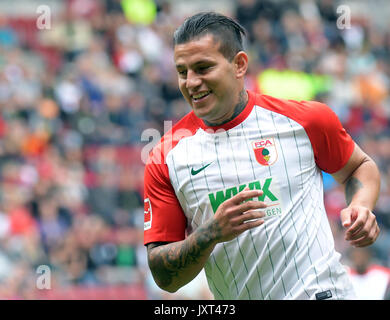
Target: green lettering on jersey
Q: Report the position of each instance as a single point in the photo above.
(267, 192)
(223, 195)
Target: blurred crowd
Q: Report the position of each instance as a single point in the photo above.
(76, 98)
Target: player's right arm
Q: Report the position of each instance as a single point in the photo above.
(173, 258)
(175, 264)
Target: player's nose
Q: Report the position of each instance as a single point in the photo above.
(193, 80)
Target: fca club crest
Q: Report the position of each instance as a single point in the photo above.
(265, 151)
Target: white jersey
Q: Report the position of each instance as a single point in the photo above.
(372, 284)
(278, 146)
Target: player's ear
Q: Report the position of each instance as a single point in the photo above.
(240, 62)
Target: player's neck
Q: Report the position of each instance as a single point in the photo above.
(240, 106)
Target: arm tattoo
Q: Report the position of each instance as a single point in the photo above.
(170, 260)
(351, 187)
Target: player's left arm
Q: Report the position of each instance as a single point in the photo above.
(361, 180)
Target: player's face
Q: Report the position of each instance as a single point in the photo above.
(208, 81)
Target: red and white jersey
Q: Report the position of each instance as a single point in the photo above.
(371, 285)
(275, 145)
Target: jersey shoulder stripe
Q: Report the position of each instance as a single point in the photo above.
(186, 127)
(332, 145)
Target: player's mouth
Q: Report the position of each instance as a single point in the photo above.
(201, 96)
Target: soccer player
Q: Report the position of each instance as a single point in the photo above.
(370, 281)
(236, 188)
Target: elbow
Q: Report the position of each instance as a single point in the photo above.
(164, 279)
(169, 287)
(164, 274)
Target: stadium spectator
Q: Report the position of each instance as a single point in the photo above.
(371, 281)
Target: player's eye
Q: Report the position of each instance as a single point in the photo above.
(203, 69)
(182, 73)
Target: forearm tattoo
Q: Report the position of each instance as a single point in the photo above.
(170, 260)
(351, 187)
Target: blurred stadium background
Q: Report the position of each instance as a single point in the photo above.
(75, 98)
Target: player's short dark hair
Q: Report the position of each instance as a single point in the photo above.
(225, 30)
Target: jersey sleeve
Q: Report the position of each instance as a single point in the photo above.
(164, 219)
(332, 145)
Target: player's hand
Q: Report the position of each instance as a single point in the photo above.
(361, 226)
(238, 214)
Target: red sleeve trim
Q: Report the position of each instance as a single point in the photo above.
(332, 145)
(164, 219)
